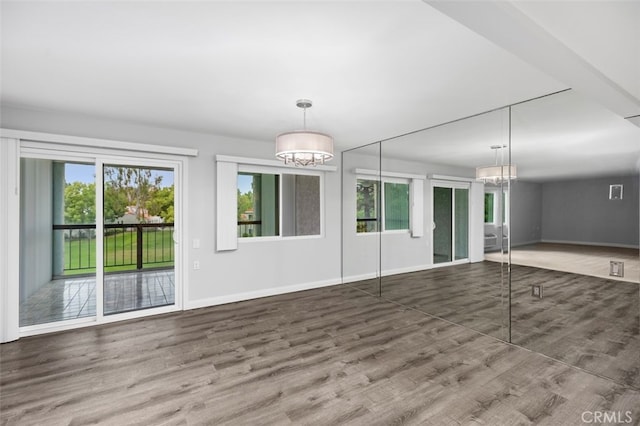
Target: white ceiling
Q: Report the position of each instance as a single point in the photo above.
(374, 69)
(548, 137)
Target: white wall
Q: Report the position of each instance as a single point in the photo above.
(256, 268)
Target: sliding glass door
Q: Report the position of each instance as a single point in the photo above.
(97, 238)
(58, 241)
(450, 222)
(138, 231)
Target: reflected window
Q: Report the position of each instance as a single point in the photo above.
(489, 202)
(391, 198)
(396, 206)
(495, 207)
(367, 205)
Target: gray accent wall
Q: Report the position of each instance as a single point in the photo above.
(526, 213)
(580, 211)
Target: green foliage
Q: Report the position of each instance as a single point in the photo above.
(160, 203)
(245, 203)
(119, 252)
(123, 187)
(80, 203)
(366, 198)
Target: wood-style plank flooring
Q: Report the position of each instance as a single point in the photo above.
(328, 356)
(586, 321)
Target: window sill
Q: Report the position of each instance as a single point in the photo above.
(277, 238)
(392, 232)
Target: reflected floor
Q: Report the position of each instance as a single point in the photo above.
(470, 294)
(71, 298)
(579, 259)
(585, 321)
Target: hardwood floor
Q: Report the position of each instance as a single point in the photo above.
(586, 321)
(328, 356)
(589, 322)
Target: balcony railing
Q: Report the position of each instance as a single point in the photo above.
(367, 225)
(249, 228)
(126, 247)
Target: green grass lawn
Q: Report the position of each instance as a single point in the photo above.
(119, 252)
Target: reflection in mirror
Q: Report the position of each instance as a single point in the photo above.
(548, 260)
(442, 272)
(566, 231)
(362, 217)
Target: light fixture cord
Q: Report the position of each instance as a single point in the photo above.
(304, 119)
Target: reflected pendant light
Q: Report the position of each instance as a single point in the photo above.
(496, 174)
(304, 147)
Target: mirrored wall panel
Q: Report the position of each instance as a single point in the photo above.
(436, 261)
(521, 223)
(574, 235)
(363, 217)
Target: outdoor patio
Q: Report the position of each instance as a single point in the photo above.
(74, 297)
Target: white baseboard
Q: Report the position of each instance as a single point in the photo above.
(587, 243)
(238, 297)
(361, 277)
(406, 270)
(397, 271)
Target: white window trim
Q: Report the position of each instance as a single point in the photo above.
(273, 167)
(61, 147)
(30, 139)
(497, 210)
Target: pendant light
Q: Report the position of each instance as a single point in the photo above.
(304, 147)
(496, 174)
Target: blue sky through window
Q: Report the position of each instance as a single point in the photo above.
(85, 173)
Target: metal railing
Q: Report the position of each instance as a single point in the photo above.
(249, 228)
(139, 245)
(369, 224)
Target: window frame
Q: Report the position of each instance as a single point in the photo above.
(380, 216)
(500, 206)
(280, 171)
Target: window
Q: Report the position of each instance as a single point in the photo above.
(491, 205)
(258, 205)
(392, 198)
(396, 206)
(272, 205)
(489, 200)
(367, 205)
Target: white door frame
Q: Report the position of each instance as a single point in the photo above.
(453, 185)
(67, 148)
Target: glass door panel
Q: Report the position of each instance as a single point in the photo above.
(443, 225)
(58, 241)
(138, 211)
(461, 219)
